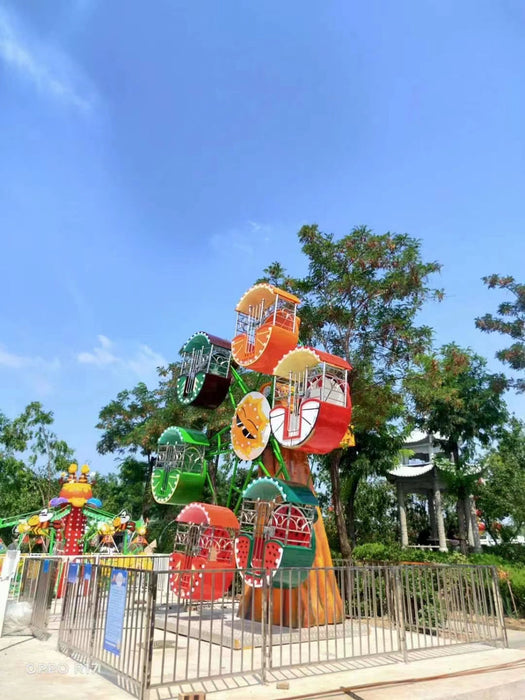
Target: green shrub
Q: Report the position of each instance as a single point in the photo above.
(513, 595)
(377, 552)
(514, 553)
(510, 570)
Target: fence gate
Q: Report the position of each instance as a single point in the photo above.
(43, 596)
(107, 622)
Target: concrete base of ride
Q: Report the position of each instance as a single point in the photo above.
(221, 626)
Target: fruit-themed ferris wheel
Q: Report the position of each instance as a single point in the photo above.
(303, 404)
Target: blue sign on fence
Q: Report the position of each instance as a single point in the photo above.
(72, 574)
(115, 611)
(46, 566)
(87, 571)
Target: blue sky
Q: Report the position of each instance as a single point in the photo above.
(155, 157)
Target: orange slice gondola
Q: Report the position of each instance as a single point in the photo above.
(267, 327)
(312, 406)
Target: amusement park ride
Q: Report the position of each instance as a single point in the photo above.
(74, 523)
(273, 522)
(271, 527)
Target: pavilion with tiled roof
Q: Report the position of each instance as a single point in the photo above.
(418, 474)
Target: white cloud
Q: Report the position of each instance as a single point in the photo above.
(13, 361)
(146, 361)
(246, 239)
(56, 80)
(143, 362)
(35, 371)
(100, 356)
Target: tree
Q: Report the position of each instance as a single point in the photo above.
(375, 511)
(376, 451)
(360, 299)
(31, 458)
(510, 320)
(501, 495)
(133, 422)
(458, 401)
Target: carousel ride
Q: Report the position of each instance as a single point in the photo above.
(268, 524)
(74, 523)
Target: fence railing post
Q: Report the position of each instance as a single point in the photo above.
(265, 638)
(94, 603)
(498, 608)
(269, 624)
(151, 606)
(400, 613)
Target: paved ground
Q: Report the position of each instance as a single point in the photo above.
(30, 668)
(33, 669)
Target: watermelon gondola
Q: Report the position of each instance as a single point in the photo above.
(203, 561)
(312, 406)
(277, 520)
(204, 376)
(267, 327)
(180, 470)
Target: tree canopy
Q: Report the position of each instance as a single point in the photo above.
(501, 495)
(31, 459)
(456, 399)
(360, 300)
(509, 320)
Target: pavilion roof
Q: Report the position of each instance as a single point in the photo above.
(405, 470)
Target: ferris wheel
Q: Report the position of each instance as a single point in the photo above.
(303, 403)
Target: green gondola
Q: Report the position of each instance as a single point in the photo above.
(204, 376)
(180, 471)
(277, 519)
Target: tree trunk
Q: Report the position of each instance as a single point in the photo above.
(317, 601)
(146, 499)
(340, 521)
(462, 525)
(354, 481)
(213, 466)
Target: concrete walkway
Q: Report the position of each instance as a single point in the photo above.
(30, 668)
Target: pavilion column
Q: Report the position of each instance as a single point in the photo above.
(402, 514)
(432, 516)
(470, 508)
(439, 515)
(468, 520)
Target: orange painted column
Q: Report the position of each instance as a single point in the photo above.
(318, 600)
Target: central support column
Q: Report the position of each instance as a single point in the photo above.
(317, 601)
(402, 514)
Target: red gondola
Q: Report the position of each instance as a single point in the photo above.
(203, 561)
(312, 406)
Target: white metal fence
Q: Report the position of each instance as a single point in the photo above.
(342, 613)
